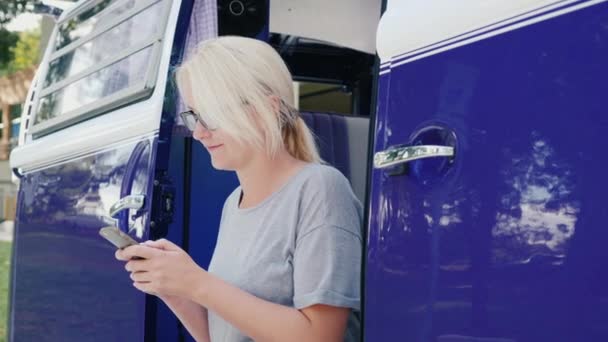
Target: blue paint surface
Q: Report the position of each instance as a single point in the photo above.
(509, 240)
(67, 284)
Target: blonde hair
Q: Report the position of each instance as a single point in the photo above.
(241, 85)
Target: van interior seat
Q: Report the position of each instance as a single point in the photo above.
(343, 142)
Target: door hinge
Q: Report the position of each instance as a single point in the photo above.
(162, 206)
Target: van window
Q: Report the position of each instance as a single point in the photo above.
(323, 97)
(105, 55)
(84, 23)
(331, 78)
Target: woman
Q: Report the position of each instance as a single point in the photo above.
(286, 266)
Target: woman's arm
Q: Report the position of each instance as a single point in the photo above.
(192, 315)
(167, 270)
(265, 321)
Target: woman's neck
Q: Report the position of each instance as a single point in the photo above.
(263, 176)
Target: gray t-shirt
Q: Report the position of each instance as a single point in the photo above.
(301, 246)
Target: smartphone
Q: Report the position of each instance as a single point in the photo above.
(117, 237)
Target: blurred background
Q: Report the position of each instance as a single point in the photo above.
(25, 26)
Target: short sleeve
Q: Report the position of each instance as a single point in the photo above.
(327, 268)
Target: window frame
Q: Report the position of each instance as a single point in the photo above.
(135, 92)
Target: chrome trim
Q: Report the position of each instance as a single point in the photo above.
(152, 73)
(27, 158)
(80, 7)
(399, 155)
(107, 26)
(126, 96)
(105, 104)
(100, 66)
(134, 202)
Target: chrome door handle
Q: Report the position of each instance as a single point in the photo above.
(406, 154)
(127, 202)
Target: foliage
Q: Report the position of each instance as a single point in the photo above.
(9, 9)
(24, 53)
(27, 50)
(5, 256)
(7, 41)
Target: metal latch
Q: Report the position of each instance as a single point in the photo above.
(163, 200)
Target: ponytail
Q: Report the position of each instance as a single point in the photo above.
(300, 143)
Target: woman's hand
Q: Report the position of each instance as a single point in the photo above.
(166, 270)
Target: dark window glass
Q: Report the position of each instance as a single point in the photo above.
(16, 111)
(320, 97)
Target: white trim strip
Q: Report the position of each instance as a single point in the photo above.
(490, 31)
(84, 153)
(485, 29)
(501, 31)
(69, 144)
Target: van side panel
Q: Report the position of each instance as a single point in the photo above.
(507, 243)
(67, 284)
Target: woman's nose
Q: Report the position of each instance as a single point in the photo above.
(200, 132)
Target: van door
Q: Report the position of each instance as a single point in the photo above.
(95, 154)
(487, 216)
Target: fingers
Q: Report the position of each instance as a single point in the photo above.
(137, 265)
(144, 287)
(142, 251)
(141, 277)
(151, 243)
(119, 255)
(162, 244)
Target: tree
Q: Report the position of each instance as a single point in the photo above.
(26, 50)
(9, 9)
(7, 41)
(24, 53)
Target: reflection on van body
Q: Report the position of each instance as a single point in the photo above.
(503, 241)
(65, 286)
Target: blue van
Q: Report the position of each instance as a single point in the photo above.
(473, 132)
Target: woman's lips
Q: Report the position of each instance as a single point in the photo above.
(214, 147)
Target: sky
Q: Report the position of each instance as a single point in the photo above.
(24, 22)
(30, 21)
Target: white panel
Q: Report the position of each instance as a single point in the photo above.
(412, 24)
(348, 23)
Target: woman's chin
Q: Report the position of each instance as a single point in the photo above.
(221, 165)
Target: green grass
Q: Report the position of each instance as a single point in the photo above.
(5, 259)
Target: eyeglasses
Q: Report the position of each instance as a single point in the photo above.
(190, 118)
